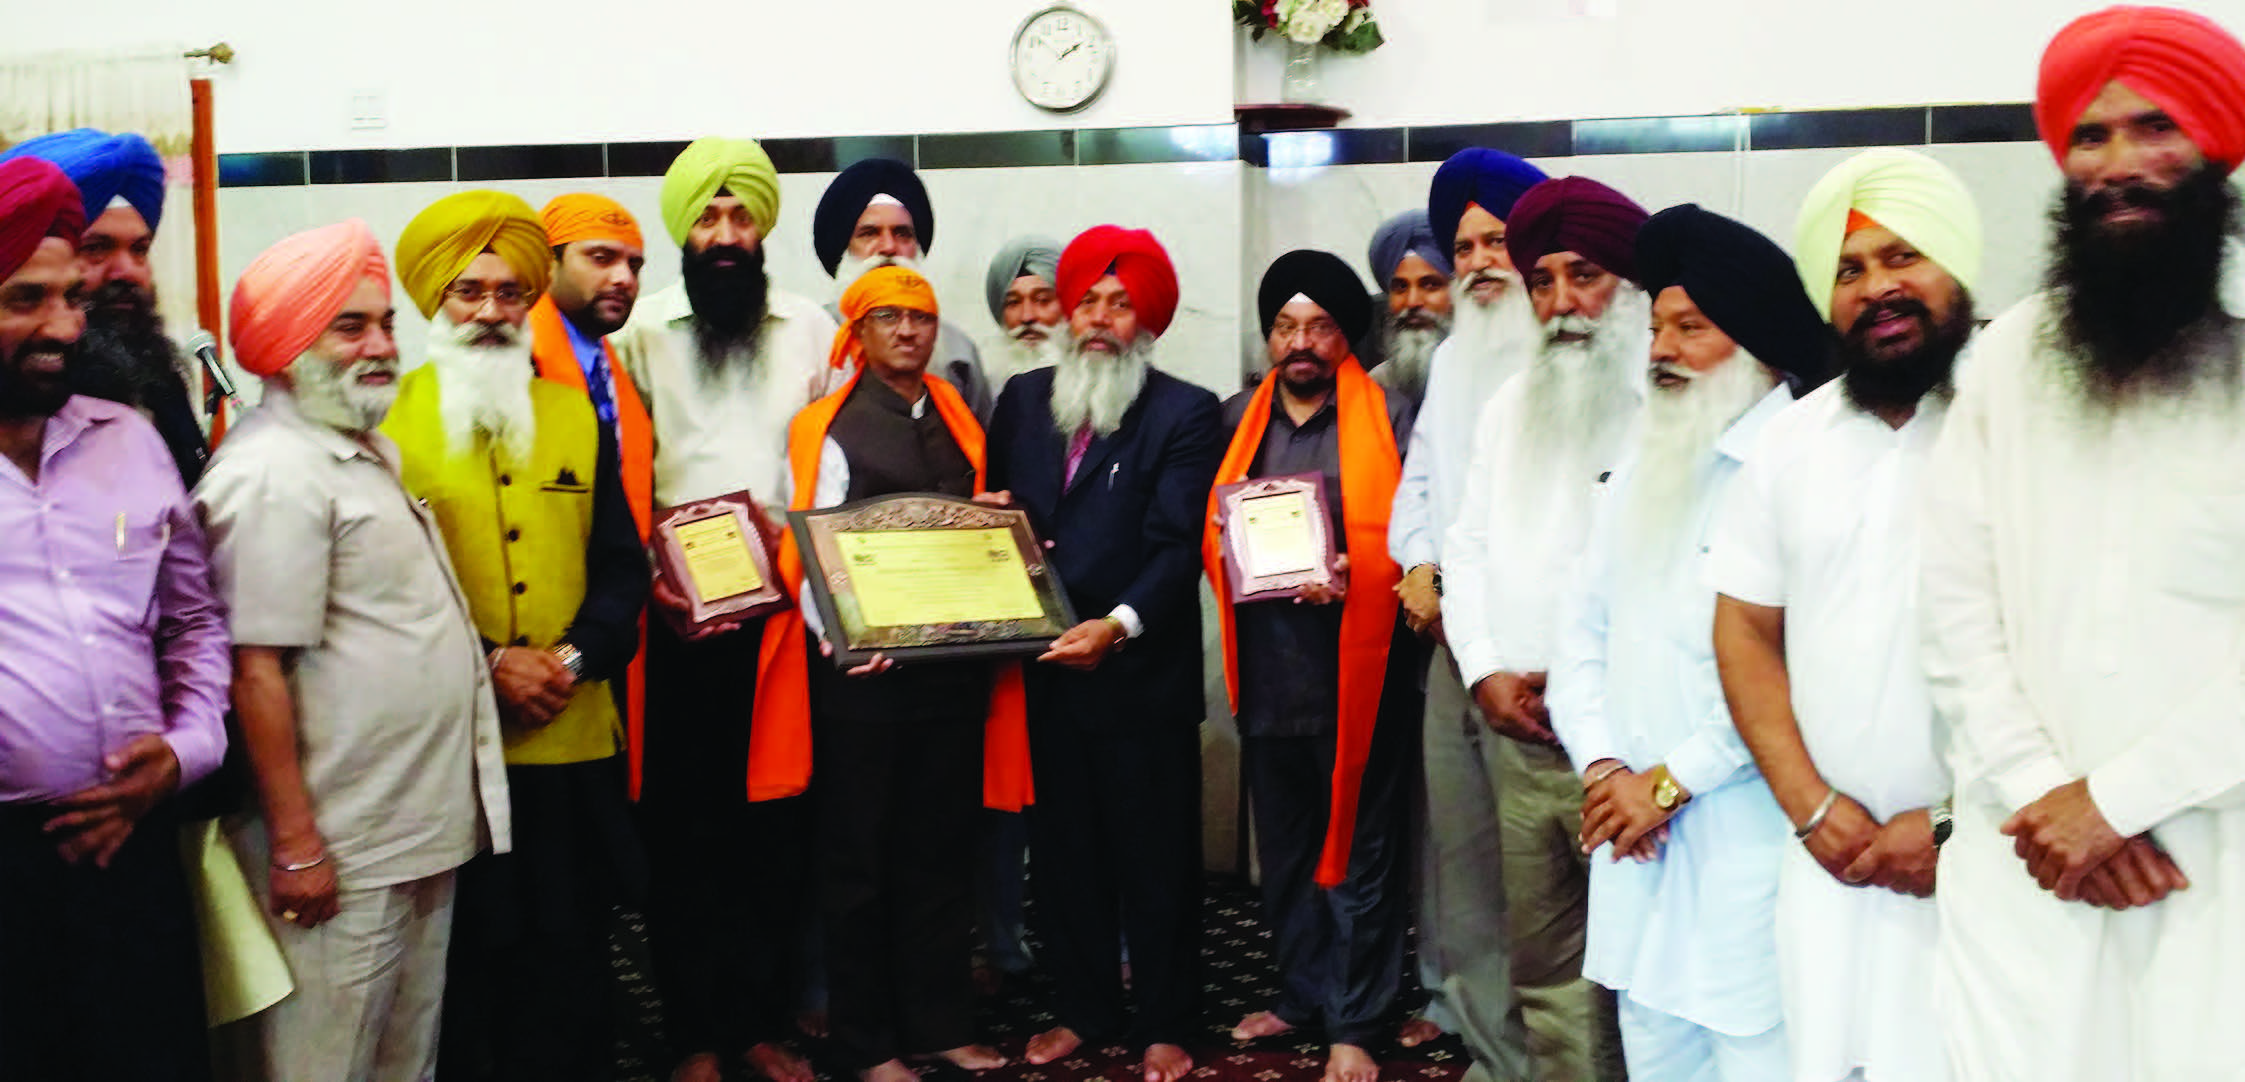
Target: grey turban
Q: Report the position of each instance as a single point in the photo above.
(1036, 255)
(1403, 234)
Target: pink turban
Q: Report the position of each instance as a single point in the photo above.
(1132, 255)
(290, 294)
(37, 201)
(2183, 62)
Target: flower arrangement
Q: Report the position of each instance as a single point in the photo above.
(1345, 26)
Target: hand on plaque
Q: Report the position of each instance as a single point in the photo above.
(1002, 499)
(1085, 645)
(1331, 592)
(878, 663)
(667, 595)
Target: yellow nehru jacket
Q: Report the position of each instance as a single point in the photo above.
(518, 536)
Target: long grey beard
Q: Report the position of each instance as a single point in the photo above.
(483, 392)
(1098, 391)
(1403, 368)
(1014, 356)
(333, 396)
(1675, 443)
(1581, 396)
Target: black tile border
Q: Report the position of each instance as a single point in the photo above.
(2005, 122)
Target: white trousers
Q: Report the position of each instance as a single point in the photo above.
(369, 988)
(1664, 1048)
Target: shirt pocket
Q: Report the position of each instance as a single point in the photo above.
(2203, 558)
(124, 585)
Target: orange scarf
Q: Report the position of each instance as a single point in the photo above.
(555, 353)
(779, 742)
(1371, 467)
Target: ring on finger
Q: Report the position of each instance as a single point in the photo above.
(289, 915)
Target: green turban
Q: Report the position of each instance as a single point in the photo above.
(1905, 191)
(738, 166)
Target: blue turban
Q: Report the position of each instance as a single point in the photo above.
(1407, 233)
(103, 166)
(1490, 179)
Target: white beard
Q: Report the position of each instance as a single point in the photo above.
(1674, 445)
(1503, 328)
(332, 395)
(851, 268)
(1580, 396)
(1409, 349)
(1015, 355)
(483, 392)
(1097, 390)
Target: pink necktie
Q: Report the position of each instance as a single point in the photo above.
(1076, 448)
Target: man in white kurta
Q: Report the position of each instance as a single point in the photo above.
(1684, 837)
(1816, 625)
(2084, 593)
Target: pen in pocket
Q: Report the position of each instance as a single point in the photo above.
(1111, 472)
(120, 533)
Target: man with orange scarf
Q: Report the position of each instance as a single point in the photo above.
(899, 750)
(1324, 686)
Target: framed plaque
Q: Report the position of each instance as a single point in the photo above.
(918, 576)
(1277, 536)
(718, 554)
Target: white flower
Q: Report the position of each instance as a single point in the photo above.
(1308, 21)
(1356, 18)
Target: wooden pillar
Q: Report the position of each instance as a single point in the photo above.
(209, 299)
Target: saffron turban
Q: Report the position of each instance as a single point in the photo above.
(1743, 282)
(585, 216)
(1407, 233)
(1905, 191)
(293, 290)
(1490, 179)
(1579, 215)
(737, 166)
(105, 168)
(1325, 279)
(855, 189)
(1039, 256)
(1132, 255)
(2182, 62)
(441, 241)
(37, 201)
(881, 287)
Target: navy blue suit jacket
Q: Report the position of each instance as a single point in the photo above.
(1126, 532)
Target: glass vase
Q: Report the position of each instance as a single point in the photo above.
(1298, 84)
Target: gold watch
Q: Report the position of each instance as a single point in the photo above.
(1667, 794)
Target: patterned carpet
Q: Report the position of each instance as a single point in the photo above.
(1241, 978)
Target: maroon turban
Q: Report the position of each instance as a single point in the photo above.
(1579, 215)
(1132, 255)
(2183, 62)
(36, 202)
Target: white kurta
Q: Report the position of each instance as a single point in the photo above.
(1823, 523)
(1690, 934)
(1460, 381)
(2084, 599)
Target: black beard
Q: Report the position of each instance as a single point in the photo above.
(124, 356)
(2131, 303)
(728, 302)
(1874, 384)
(24, 397)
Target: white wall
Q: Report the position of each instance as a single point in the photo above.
(457, 73)
(1461, 61)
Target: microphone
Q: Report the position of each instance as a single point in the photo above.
(205, 348)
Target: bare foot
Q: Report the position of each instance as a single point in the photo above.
(1059, 1042)
(1259, 1025)
(1348, 1063)
(779, 1063)
(811, 1024)
(1166, 1063)
(699, 1067)
(972, 1057)
(892, 1071)
(1417, 1031)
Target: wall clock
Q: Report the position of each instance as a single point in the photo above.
(1062, 58)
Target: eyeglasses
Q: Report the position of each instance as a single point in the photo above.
(473, 294)
(889, 318)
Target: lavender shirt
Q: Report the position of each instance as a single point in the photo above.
(109, 627)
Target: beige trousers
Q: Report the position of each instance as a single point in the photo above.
(1573, 1031)
(369, 988)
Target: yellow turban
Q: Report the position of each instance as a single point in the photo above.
(739, 166)
(441, 241)
(1913, 195)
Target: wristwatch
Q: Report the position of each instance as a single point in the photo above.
(570, 659)
(1667, 794)
(1944, 820)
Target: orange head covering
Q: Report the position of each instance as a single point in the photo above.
(37, 201)
(289, 294)
(585, 216)
(881, 287)
(2183, 62)
(1132, 255)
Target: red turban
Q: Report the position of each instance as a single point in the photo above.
(36, 202)
(290, 294)
(1132, 255)
(2182, 62)
(1579, 215)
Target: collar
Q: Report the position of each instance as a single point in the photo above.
(1324, 411)
(78, 414)
(582, 345)
(2233, 280)
(279, 405)
(1738, 440)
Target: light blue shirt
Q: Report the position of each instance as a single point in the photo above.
(1427, 500)
(592, 359)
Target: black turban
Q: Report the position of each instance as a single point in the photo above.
(1324, 278)
(852, 191)
(1743, 282)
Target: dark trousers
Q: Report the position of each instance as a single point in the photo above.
(1116, 833)
(898, 799)
(1340, 951)
(529, 993)
(726, 878)
(100, 975)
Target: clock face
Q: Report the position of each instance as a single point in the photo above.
(1061, 59)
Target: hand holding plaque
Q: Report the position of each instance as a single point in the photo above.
(1278, 539)
(717, 555)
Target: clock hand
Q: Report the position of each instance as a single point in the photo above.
(1071, 48)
